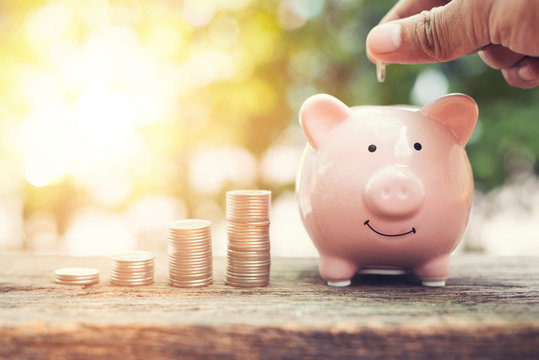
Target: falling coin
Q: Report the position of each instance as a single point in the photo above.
(380, 71)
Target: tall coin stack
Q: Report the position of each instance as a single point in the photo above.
(190, 253)
(248, 221)
(132, 269)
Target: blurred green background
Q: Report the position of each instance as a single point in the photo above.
(119, 116)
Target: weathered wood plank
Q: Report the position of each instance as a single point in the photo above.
(489, 309)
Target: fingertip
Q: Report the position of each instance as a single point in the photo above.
(524, 75)
(383, 39)
(499, 57)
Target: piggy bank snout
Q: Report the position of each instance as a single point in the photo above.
(395, 191)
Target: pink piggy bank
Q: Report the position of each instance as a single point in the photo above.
(386, 189)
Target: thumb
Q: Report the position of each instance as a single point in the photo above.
(441, 34)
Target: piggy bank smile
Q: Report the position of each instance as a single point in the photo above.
(367, 222)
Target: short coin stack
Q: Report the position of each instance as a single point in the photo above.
(76, 276)
(132, 269)
(190, 253)
(248, 221)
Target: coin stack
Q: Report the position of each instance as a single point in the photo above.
(190, 253)
(132, 269)
(248, 221)
(76, 276)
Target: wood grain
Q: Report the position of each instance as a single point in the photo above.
(488, 310)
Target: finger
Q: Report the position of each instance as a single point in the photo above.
(406, 8)
(440, 34)
(499, 57)
(515, 25)
(524, 75)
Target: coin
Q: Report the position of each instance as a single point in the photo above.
(76, 276)
(190, 253)
(248, 205)
(135, 268)
(380, 71)
(76, 282)
(248, 225)
(133, 257)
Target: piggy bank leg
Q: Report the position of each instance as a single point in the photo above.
(337, 271)
(433, 272)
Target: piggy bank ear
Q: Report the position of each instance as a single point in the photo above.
(456, 111)
(318, 114)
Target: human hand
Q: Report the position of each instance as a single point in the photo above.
(504, 32)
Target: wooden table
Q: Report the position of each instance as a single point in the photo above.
(489, 309)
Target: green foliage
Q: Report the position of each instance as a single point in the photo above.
(275, 69)
(509, 117)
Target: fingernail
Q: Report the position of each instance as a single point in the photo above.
(525, 72)
(384, 38)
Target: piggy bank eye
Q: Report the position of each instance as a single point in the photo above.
(372, 148)
(418, 146)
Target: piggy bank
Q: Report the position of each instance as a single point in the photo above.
(385, 188)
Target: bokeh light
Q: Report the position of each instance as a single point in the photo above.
(117, 117)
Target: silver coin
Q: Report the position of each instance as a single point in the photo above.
(190, 235)
(255, 240)
(243, 247)
(68, 278)
(175, 252)
(244, 240)
(189, 284)
(207, 266)
(133, 257)
(247, 260)
(380, 71)
(190, 275)
(76, 271)
(243, 284)
(181, 272)
(189, 258)
(248, 265)
(247, 278)
(201, 280)
(231, 224)
(131, 266)
(190, 261)
(182, 253)
(247, 275)
(190, 269)
(248, 232)
(261, 236)
(192, 242)
(76, 282)
(180, 243)
(247, 208)
(189, 224)
(179, 249)
(248, 254)
(132, 283)
(133, 262)
(255, 193)
(132, 276)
